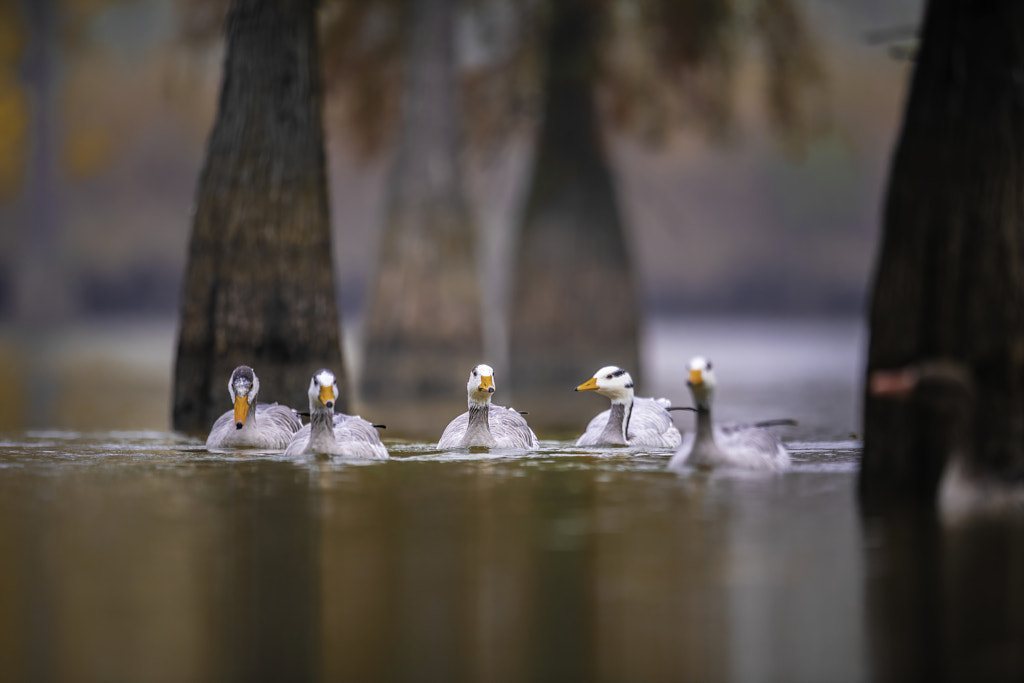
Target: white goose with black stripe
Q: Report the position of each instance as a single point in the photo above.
(630, 421)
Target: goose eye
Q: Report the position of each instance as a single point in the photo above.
(709, 365)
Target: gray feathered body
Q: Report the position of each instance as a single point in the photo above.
(330, 433)
(650, 424)
(491, 426)
(269, 427)
(743, 446)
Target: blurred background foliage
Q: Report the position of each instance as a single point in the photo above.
(736, 129)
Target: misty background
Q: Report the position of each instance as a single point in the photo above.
(100, 153)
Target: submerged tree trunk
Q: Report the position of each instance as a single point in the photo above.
(259, 287)
(950, 275)
(574, 300)
(424, 329)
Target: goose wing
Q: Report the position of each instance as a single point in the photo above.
(276, 424)
(358, 437)
(453, 433)
(746, 445)
(595, 428)
(510, 429)
(650, 424)
(221, 432)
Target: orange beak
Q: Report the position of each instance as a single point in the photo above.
(696, 377)
(589, 385)
(487, 384)
(327, 395)
(241, 410)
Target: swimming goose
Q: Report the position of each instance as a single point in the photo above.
(630, 421)
(747, 446)
(330, 433)
(486, 424)
(251, 424)
(941, 399)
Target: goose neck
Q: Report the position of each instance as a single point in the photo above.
(616, 431)
(321, 421)
(705, 432)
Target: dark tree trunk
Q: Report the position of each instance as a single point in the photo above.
(574, 300)
(424, 329)
(950, 275)
(259, 287)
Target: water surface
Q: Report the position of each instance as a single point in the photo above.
(140, 556)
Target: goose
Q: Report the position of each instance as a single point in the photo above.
(940, 395)
(747, 446)
(330, 433)
(251, 424)
(486, 424)
(630, 421)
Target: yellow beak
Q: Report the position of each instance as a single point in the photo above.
(326, 394)
(696, 377)
(486, 383)
(241, 409)
(589, 385)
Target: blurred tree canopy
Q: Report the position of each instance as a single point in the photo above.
(660, 65)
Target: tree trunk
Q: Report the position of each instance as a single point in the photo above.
(424, 330)
(574, 300)
(259, 287)
(950, 274)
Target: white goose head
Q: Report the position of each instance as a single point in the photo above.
(323, 391)
(701, 381)
(480, 385)
(610, 381)
(243, 387)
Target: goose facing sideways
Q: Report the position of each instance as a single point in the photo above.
(746, 446)
(486, 424)
(330, 433)
(252, 424)
(630, 421)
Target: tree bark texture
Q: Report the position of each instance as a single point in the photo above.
(424, 329)
(574, 305)
(259, 285)
(950, 273)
